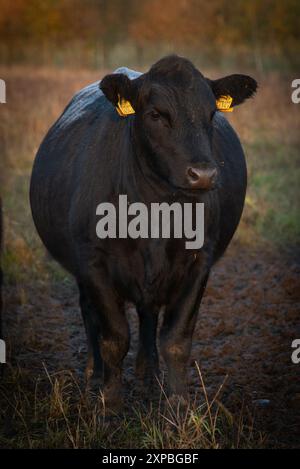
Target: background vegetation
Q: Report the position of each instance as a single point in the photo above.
(101, 33)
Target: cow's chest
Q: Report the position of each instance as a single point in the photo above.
(151, 271)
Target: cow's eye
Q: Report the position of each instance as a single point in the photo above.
(155, 115)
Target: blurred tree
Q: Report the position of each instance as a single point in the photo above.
(255, 27)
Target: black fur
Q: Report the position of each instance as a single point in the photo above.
(92, 155)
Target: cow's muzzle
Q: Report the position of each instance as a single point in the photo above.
(202, 178)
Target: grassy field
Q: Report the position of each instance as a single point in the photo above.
(42, 402)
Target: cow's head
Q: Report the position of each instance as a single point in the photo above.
(174, 107)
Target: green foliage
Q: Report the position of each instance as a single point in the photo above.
(273, 201)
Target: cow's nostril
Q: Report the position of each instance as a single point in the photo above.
(194, 173)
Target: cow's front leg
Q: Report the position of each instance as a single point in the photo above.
(114, 336)
(147, 365)
(178, 326)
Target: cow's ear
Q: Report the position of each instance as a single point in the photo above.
(119, 90)
(238, 87)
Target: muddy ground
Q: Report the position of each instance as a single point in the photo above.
(247, 322)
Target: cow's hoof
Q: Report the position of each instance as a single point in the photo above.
(112, 403)
(148, 378)
(94, 383)
(105, 403)
(93, 389)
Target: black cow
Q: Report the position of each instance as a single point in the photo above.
(176, 147)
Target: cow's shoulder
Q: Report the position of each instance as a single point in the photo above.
(85, 101)
(89, 100)
(132, 74)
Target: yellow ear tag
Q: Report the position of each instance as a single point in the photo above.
(124, 107)
(224, 103)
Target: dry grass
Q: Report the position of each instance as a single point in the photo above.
(53, 412)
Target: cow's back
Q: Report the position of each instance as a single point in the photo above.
(72, 158)
(54, 172)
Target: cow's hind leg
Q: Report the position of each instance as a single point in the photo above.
(114, 336)
(94, 367)
(147, 363)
